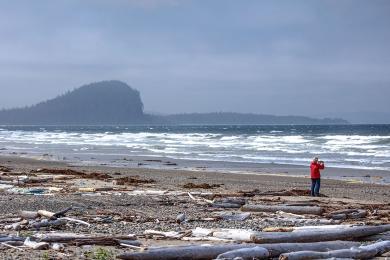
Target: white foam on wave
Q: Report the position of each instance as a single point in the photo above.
(293, 148)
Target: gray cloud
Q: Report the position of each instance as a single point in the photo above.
(301, 57)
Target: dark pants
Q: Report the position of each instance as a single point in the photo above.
(315, 187)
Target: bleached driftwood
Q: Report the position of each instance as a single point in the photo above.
(320, 235)
(305, 228)
(207, 238)
(246, 253)
(201, 200)
(135, 243)
(53, 215)
(75, 220)
(362, 252)
(301, 221)
(232, 216)
(57, 246)
(201, 232)
(322, 227)
(200, 252)
(10, 220)
(169, 234)
(290, 209)
(11, 246)
(28, 214)
(36, 245)
(225, 234)
(45, 213)
(18, 225)
(234, 234)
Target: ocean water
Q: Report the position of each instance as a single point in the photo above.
(346, 146)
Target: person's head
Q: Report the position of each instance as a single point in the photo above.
(315, 159)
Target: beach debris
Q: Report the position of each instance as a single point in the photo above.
(319, 235)
(362, 252)
(170, 163)
(348, 213)
(312, 210)
(256, 252)
(36, 245)
(291, 192)
(5, 169)
(191, 185)
(85, 239)
(91, 175)
(232, 216)
(197, 252)
(133, 180)
(265, 223)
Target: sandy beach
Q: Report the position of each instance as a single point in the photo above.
(129, 214)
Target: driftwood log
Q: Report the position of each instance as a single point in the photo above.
(382, 236)
(312, 210)
(319, 235)
(10, 238)
(226, 205)
(36, 245)
(362, 252)
(49, 223)
(234, 234)
(28, 214)
(246, 253)
(80, 240)
(206, 252)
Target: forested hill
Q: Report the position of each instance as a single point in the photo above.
(239, 118)
(114, 102)
(106, 102)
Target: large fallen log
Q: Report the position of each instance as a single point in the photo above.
(290, 209)
(80, 239)
(320, 235)
(362, 252)
(206, 252)
(246, 253)
(381, 236)
(10, 238)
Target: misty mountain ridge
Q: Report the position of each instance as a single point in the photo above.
(106, 102)
(115, 102)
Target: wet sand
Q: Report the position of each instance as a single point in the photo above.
(275, 178)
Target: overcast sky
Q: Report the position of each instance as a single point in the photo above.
(276, 57)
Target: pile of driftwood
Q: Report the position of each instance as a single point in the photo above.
(317, 229)
(36, 221)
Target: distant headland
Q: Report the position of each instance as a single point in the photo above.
(115, 102)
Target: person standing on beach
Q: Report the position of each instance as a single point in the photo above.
(315, 176)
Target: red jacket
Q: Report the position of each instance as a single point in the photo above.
(315, 170)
